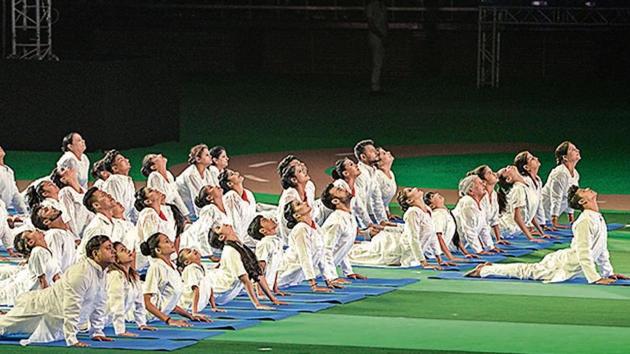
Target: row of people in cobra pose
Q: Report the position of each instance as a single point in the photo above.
(320, 234)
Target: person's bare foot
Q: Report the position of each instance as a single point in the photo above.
(476, 272)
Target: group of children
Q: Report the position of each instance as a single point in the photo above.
(106, 254)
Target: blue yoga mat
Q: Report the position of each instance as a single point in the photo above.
(383, 282)
(168, 333)
(119, 343)
(292, 307)
(319, 297)
(460, 276)
(250, 314)
(364, 290)
(612, 227)
(215, 324)
(517, 253)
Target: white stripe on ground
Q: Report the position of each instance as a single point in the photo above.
(256, 179)
(261, 164)
(345, 154)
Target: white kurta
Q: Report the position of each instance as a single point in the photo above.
(100, 225)
(490, 206)
(149, 223)
(445, 225)
(387, 186)
(196, 236)
(189, 184)
(9, 192)
(99, 183)
(224, 279)
(82, 166)
(6, 235)
(270, 250)
(54, 313)
(214, 175)
(194, 275)
(589, 250)
(524, 198)
(79, 216)
(165, 285)
(555, 192)
(57, 205)
(62, 245)
(127, 232)
(304, 257)
(288, 195)
(124, 298)
(40, 262)
(168, 187)
(419, 230)
(241, 213)
(385, 248)
(537, 189)
(472, 225)
(122, 189)
(339, 232)
(370, 202)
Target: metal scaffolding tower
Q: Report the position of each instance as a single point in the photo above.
(31, 30)
(494, 19)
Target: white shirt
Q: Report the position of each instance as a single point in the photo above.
(9, 192)
(82, 166)
(419, 226)
(240, 213)
(339, 232)
(555, 191)
(6, 235)
(369, 199)
(270, 250)
(387, 186)
(123, 297)
(62, 245)
(189, 184)
(168, 187)
(100, 225)
(524, 198)
(590, 240)
(227, 274)
(445, 224)
(164, 284)
(149, 223)
(79, 216)
(196, 236)
(214, 175)
(471, 223)
(288, 195)
(194, 275)
(305, 252)
(122, 189)
(537, 189)
(490, 206)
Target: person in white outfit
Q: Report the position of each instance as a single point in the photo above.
(54, 313)
(124, 293)
(9, 193)
(71, 197)
(240, 204)
(163, 285)
(46, 193)
(102, 205)
(294, 182)
(561, 178)
(517, 204)
(269, 249)
(197, 293)
(237, 269)
(368, 193)
(489, 202)
(219, 163)
(160, 178)
(283, 165)
(445, 227)
(119, 185)
(588, 254)
(7, 223)
(528, 166)
(385, 178)
(73, 147)
(60, 240)
(195, 177)
(99, 173)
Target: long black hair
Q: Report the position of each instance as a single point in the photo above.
(340, 167)
(289, 216)
(287, 180)
(250, 262)
(504, 189)
(148, 247)
(520, 161)
(561, 151)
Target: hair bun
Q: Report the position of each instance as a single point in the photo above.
(145, 249)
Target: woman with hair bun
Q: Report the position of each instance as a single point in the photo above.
(561, 178)
(195, 177)
(163, 285)
(160, 178)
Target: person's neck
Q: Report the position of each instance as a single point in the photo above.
(343, 207)
(307, 220)
(219, 204)
(420, 204)
(387, 169)
(201, 169)
(490, 189)
(166, 259)
(301, 189)
(77, 154)
(570, 165)
(476, 198)
(106, 213)
(125, 268)
(102, 264)
(239, 189)
(350, 181)
(74, 184)
(162, 171)
(592, 206)
(58, 224)
(157, 207)
(1, 161)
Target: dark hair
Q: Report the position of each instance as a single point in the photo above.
(195, 152)
(359, 148)
(108, 160)
(248, 258)
(427, 198)
(20, 244)
(502, 193)
(574, 198)
(36, 219)
(97, 169)
(67, 140)
(213, 239)
(89, 198)
(340, 167)
(179, 262)
(140, 197)
(201, 200)
(34, 194)
(147, 164)
(288, 215)
(520, 160)
(286, 161)
(401, 197)
(94, 244)
(223, 180)
(479, 171)
(148, 247)
(253, 229)
(327, 196)
(55, 177)
(215, 152)
(132, 274)
(561, 151)
(287, 178)
(180, 219)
